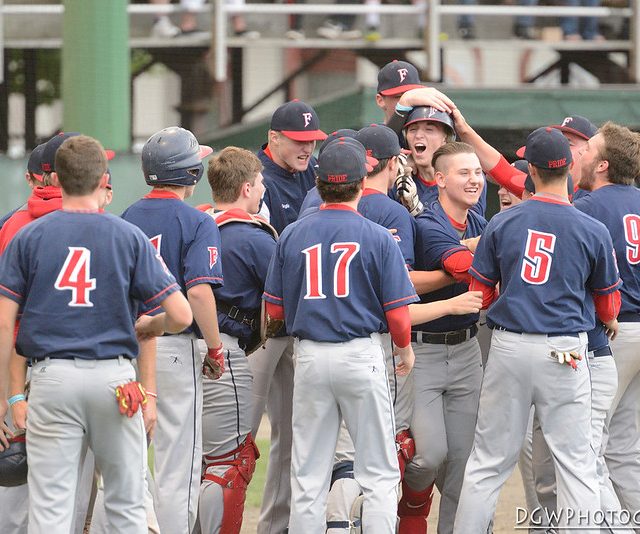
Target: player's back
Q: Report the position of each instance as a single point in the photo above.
(173, 228)
(339, 270)
(83, 284)
(618, 208)
(380, 209)
(549, 258)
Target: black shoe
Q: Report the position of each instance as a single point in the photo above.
(467, 32)
(523, 32)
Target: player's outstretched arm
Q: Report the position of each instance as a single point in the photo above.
(147, 377)
(8, 313)
(469, 302)
(423, 96)
(488, 156)
(17, 382)
(427, 281)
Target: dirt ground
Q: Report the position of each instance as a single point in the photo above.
(512, 496)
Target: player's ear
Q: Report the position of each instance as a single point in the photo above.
(603, 166)
(380, 100)
(273, 136)
(439, 178)
(54, 179)
(104, 180)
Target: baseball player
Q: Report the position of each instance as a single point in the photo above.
(610, 161)
(33, 177)
(248, 242)
(95, 265)
(189, 243)
(288, 175)
(425, 130)
(559, 274)
(339, 358)
(448, 368)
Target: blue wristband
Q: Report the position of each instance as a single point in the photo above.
(401, 108)
(16, 398)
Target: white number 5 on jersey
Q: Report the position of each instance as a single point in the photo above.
(536, 263)
(75, 276)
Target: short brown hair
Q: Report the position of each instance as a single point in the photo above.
(382, 163)
(548, 176)
(450, 149)
(229, 169)
(621, 148)
(333, 193)
(80, 164)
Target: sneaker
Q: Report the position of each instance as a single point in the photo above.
(372, 34)
(523, 32)
(163, 27)
(294, 35)
(332, 31)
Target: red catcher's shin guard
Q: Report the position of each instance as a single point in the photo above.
(406, 447)
(413, 510)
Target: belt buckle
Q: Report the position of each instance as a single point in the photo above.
(233, 312)
(453, 338)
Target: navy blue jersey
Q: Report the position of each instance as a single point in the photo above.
(549, 259)
(428, 194)
(436, 240)
(579, 193)
(618, 208)
(8, 216)
(247, 250)
(336, 273)
(311, 200)
(187, 239)
(80, 278)
(285, 191)
(380, 209)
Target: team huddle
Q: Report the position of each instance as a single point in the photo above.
(397, 341)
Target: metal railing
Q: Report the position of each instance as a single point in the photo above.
(435, 11)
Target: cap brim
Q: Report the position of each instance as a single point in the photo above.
(370, 163)
(400, 89)
(110, 154)
(311, 135)
(204, 151)
(570, 130)
(520, 152)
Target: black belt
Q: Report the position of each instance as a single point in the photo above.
(603, 351)
(454, 337)
(248, 318)
(629, 317)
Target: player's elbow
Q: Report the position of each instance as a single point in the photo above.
(200, 294)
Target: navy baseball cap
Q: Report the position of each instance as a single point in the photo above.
(297, 121)
(379, 141)
(580, 126)
(547, 148)
(48, 157)
(35, 160)
(398, 77)
(344, 161)
(343, 132)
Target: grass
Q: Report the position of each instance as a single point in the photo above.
(256, 487)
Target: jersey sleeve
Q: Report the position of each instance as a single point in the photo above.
(437, 244)
(484, 267)
(202, 260)
(508, 177)
(263, 249)
(273, 283)
(152, 282)
(13, 279)
(604, 276)
(397, 289)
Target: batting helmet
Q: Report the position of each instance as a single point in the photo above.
(173, 157)
(428, 113)
(13, 462)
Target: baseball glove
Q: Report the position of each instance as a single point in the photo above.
(406, 188)
(13, 462)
